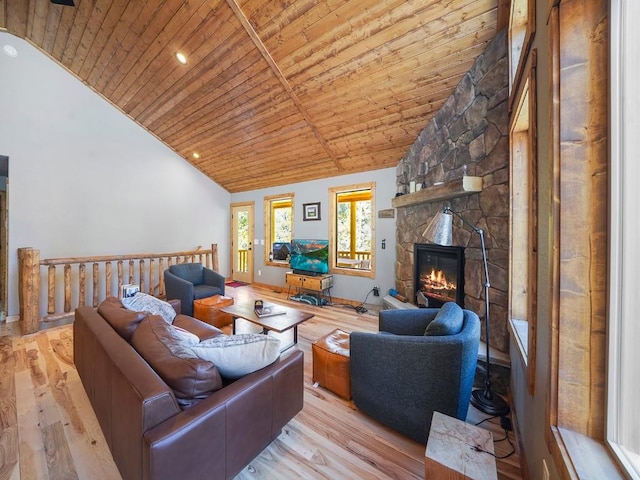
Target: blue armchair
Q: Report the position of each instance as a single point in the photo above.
(191, 281)
(414, 367)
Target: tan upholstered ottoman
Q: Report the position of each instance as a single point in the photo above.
(208, 310)
(331, 363)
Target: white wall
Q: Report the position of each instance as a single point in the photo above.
(86, 180)
(345, 286)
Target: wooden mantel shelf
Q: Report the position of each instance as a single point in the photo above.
(456, 188)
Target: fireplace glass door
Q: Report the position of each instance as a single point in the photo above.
(438, 275)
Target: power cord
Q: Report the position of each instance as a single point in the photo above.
(360, 309)
(505, 423)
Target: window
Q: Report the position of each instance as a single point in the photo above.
(521, 30)
(278, 214)
(523, 240)
(352, 227)
(581, 263)
(623, 415)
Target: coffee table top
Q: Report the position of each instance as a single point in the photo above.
(277, 323)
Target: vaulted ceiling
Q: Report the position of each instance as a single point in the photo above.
(273, 92)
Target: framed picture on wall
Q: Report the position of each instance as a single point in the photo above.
(311, 211)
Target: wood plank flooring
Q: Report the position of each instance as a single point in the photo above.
(49, 431)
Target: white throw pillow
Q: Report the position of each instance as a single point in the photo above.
(239, 355)
(143, 302)
(185, 336)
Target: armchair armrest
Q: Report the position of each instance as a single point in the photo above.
(181, 289)
(213, 278)
(406, 322)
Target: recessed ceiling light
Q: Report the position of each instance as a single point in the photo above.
(181, 58)
(195, 155)
(10, 50)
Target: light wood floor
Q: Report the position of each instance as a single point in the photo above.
(49, 430)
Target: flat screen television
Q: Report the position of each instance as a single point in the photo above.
(309, 257)
(281, 250)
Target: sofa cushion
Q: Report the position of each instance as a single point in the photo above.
(191, 272)
(191, 378)
(121, 320)
(143, 302)
(448, 321)
(239, 355)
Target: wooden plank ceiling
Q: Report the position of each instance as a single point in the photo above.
(273, 92)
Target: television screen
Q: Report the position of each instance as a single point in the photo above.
(281, 250)
(309, 256)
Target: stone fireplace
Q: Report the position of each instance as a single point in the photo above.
(467, 137)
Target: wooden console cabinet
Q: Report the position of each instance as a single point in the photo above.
(320, 283)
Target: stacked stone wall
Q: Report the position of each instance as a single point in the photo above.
(468, 136)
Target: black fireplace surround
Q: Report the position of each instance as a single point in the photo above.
(438, 274)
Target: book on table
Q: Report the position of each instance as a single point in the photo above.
(267, 310)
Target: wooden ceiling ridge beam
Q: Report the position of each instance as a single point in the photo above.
(276, 70)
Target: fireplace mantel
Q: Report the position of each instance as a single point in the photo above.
(461, 187)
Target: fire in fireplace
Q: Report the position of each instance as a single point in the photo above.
(438, 274)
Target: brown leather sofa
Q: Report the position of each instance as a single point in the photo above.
(154, 436)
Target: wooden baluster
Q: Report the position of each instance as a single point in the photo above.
(161, 273)
(81, 285)
(109, 289)
(96, 278)
(67, 288)
(152, 277)
(131, 267)
(214, 256)
(51, 290)
(141, 267)
(120, 274)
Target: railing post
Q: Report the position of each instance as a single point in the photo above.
(214, 257)
(29, 294)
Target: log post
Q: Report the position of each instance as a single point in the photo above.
(152, 277)
(120, 273)
(51, 291)
(141, 269)
(214, 257)
(29, 292)
(96, 277)
(67, 288)
(161, 270)
(109, 288)
(81, 284)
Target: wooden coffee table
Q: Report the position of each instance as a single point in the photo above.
(276, 323)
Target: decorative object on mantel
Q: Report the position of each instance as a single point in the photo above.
(439, 231)
(467, 185)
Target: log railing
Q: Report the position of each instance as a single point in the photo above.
(71, 287)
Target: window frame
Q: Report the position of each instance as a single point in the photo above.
(523, 293)
(522, 27)
(622, 326)
(269, 202)
(333, 231)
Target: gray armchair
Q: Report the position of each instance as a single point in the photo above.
(400, 376)
(191, 281)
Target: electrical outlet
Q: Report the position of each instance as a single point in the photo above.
(259, 273)
(376, 291)
(545, 470)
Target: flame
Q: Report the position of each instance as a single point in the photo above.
(435, 283)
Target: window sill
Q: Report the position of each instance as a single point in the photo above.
(580, 456)
(277, 264)
(520, 332)
(355, 272)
